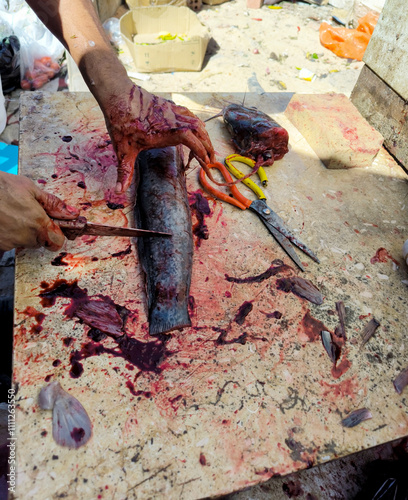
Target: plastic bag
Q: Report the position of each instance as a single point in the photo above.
(10, 63)
(40, 51)
(112, 29)
(349, 43)
(3, 112)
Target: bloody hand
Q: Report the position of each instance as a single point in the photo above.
(24, 215)
(138, 120)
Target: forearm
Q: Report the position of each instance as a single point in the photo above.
(76, 24)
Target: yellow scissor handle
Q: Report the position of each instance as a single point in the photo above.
(238, 174)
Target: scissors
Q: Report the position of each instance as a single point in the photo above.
(272, 221)
(80, 226)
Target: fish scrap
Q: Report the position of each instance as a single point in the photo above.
(332, 349)
(369, 331)
(356, 417)
(71, 426)
(302, 288)
(340, 330)
(401, 381)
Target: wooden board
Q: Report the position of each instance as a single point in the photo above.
(211, 416)
(385, 110)
(387, 52)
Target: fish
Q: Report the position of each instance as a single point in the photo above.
(71, 425)
(356, 417)
(162, 202)
(255, 134)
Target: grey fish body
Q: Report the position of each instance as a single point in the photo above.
(162, 202)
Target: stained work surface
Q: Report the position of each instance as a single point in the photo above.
(249, 391)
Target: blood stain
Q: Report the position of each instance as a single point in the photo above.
(38, 316)
(243, 312)
(312, 327)
(127, 251)
(382, 255)
(58, 260)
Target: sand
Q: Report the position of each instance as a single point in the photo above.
(252, 48)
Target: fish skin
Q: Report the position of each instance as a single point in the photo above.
(255, 134)
(368, 331)
(356, 417)
(167, 262)
(401, 381)
(332, 349)
(302, 288)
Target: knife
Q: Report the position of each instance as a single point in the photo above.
(80, 226)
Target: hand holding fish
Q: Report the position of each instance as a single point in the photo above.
(25, 212)
(138, 120)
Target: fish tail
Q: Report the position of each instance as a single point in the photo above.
(163, 321)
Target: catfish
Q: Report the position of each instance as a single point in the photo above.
(162, 202)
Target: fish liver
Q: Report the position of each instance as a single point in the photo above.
(335, 129)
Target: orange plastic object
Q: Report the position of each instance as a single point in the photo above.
(238, 199)
(349, 43)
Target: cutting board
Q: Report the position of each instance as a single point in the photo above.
(234, 400)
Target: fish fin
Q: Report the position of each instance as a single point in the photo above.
(48, 395)
(71, 425)
(162, 322)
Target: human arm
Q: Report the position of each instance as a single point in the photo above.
(25, 211)
(135, 118)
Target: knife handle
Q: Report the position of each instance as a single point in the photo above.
(72, 228)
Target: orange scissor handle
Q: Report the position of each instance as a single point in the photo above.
(238, 199)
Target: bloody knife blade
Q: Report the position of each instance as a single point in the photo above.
(80, 226)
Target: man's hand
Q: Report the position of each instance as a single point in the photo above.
(24, 215)
(137, 120)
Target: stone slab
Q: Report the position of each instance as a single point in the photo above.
(224, 410)
(335, 129)
(385, 110)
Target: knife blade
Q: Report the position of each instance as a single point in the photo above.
(80, 226)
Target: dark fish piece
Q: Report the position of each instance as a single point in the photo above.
(356, 417)
(255, 134)
(369, 331)
(341, 311)
(332, 349)
(243, 312)
(300, 287)
(71, 425)
(276, 267)
(162, 203)
(401, 381)
(102, 315)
